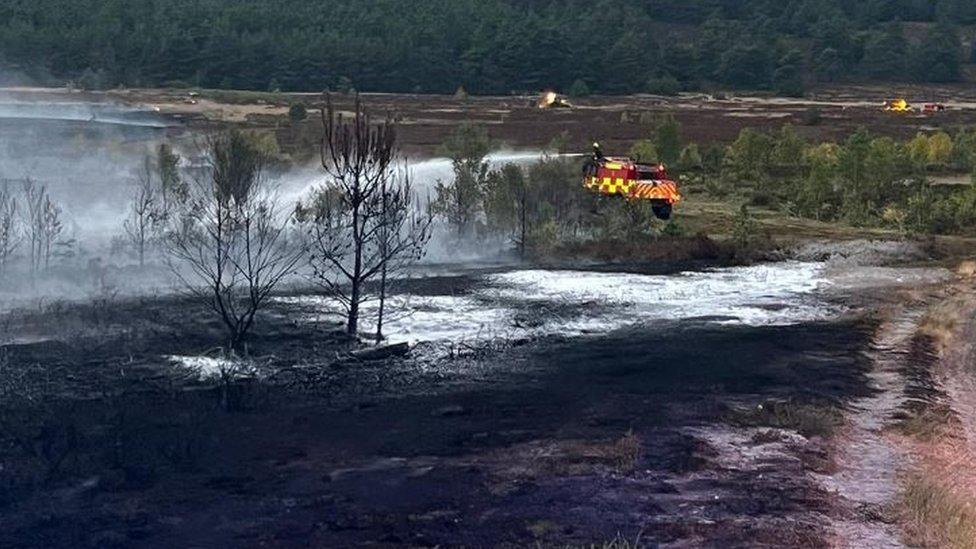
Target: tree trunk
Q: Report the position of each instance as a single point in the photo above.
(522, 217)
(142, 249)
(352, 326)
(379, 320)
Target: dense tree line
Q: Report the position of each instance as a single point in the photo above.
(488, 46)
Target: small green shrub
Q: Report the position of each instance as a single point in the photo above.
(579, 89)
(673, 229)
(663, 85)
(297, 113)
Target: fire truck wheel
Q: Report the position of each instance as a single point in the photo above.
(662, 210)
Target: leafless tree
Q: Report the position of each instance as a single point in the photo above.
(142, 221)
(228, 235)
(52, 227)
(43, 224)
(33, 200)
(361, 224)
(9, 234)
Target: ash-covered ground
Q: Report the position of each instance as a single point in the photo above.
(558, 407)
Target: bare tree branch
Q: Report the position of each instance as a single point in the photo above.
(228, 235)
(362, 224)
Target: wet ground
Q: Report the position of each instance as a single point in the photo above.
(682, 410)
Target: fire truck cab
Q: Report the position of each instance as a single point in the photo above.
(624, 177)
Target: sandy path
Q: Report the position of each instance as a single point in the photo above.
(867, 459)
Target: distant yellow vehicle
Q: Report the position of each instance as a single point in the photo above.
(550, 99)
(898, 105)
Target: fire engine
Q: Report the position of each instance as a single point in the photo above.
(624, 177)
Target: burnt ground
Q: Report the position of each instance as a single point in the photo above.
(640, 433)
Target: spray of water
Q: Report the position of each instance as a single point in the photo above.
(12, 108)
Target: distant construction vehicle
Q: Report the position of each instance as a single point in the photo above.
(552, 100)
(631, 180)
(903, 106)
(898, 106)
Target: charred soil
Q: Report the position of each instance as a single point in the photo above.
(637, 433)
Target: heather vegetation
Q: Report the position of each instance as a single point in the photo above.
(496, 46)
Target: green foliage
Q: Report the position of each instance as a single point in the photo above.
(938, 58)
(667, 139)
(918, 151)
(563, 199)
(940, 149)
(535, 208)
(690, 159)
(492, 46)
(265, 142)
(543, 237)
(511, 205)
(884, 54)
(788, 76)
(297, 113)
(673, 229)
(579, 89)
(713, 158)
(747, 159)
(468, 144)
(745, 230)
(461, 200)
(745, 66)
(625, 219)
(644, 151)
(963, 156)
(930, 151)
(173, 189)
(816, 196)
(663, 85)
(865, 181)
(787, 150)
